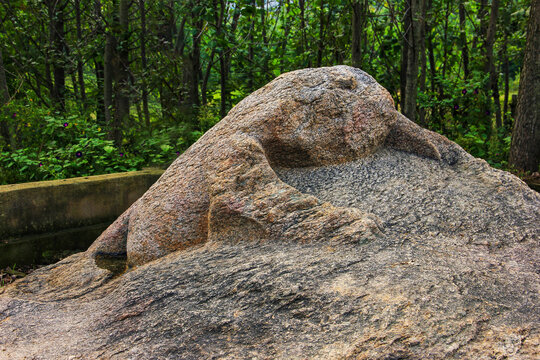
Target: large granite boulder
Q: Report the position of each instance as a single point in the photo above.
(314, 221)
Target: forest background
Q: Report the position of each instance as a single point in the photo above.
(98, 86)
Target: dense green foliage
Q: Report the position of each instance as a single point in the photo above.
(98, 86)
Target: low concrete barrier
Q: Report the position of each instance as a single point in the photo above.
(63, 214)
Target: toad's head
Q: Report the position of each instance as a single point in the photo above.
(325, 116)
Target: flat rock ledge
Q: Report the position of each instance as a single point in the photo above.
(266, 241)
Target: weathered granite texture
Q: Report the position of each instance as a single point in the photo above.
(309, 252)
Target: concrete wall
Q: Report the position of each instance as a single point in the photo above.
(62, 214)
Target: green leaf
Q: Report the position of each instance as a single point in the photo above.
(165, 147)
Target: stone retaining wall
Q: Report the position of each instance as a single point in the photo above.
(63, 214)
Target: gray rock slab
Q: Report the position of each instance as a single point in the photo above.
(454, 275)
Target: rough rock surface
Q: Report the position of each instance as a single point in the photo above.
(308, 234)
(225, 184)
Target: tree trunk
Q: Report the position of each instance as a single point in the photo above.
(285, 38)
(423, 63)
(219, 16)
(445, 45)
(407, 42)
(59, 69)
(265, 42)
(100, 102)
(412, 38)
(144, 64)
(48, 60)
(99, 67)
(359, 17)
(171, 88)
(463, 39)
(58, 46)
(431, 55)
(223, 80)
(164, 101)
(440, 84)
(80, 72)
(506, 68)
(75, 84)
(525, 148)
(110, 44)
(225, 61)
(251, 52)
(303, 42)
(120, 64)
(4, 99)
(481, 15)
(180, 38)
(195, 61)
(206, 76)
(320, 45)
(4, 90)
(493, 83)
(195, 64)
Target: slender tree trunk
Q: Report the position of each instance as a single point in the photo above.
(320, 45)
(57, 43)
(223, 80)
(196, 64)
(463, 39)
(48, 60)
(445, 43)
(100, 68)
(108, 70)
(4, 90)
(59, 69)
(303, 42)
(251, 53)
(493, 83)
(100, 103)
(359, 17)
(481, 16)
(120, 64)
(37, 87)
(412, 39)
(4, 99)
(506, 67)
(206, 76)
(180, 40)
(225, 66)
(285, 39)
(80, 72)
(406, 43)
(219, 18)
(75, 84)
(265, 41)
(164, 101)
(506, 71)
(525, 148)
(431, 55)
(172, 88)
(144, 64)
(423, 62)
(440, 84)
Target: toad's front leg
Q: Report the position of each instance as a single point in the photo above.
(410, 137)
(249, 201)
